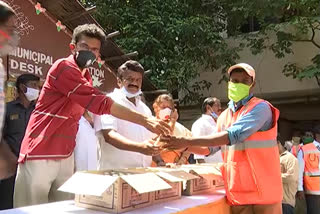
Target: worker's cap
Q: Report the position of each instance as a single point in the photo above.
(248, 68)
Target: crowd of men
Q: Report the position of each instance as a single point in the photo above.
(69, 125)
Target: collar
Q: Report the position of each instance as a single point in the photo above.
(71, 60)
(236, 106)
(284, 153)
(119, 93)
(316, 143)
(207, 117)
(18, 102)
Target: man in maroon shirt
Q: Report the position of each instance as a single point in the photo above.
(46, 155)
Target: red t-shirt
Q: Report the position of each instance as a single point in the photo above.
(53, 124)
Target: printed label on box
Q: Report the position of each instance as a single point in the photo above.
(130, 197)
(168, 193)
(201, 184)
(106, 200)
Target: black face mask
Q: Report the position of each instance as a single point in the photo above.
(84, 58)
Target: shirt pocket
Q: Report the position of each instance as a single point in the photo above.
(15, 124)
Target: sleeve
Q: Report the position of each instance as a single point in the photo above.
(291, 175)
(301, 170)
(70, 82)
(213, 150)
(259, 118)
(108, 122)
(5, 122)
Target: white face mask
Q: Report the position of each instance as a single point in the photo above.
(130, 95)
(32, 94)
(164, 114)
(10, 45)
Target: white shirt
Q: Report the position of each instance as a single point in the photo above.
(301, 166)
(205, 126)
(85, 152)
(109, 156)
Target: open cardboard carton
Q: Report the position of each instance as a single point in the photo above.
(123, 190)
(209, 178)
(174, 177)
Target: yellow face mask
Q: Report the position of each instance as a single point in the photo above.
(238, 91)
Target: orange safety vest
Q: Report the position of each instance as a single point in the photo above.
(295, 149)
(311, 174)
(251, 169)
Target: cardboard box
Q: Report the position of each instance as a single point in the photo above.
(113, 191)
(174, 177)
(209, 175)
(123, 190)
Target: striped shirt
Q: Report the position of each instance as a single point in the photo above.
(53, 124)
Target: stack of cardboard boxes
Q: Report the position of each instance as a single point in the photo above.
(123, 190)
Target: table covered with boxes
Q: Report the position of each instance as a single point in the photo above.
(185, 189)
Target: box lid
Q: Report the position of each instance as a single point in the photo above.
(146, 182)
(88, 183)
(176, 176)
(172, 175)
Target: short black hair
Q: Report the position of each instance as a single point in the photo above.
(130, 65)
(208, 101)
(280, 141)
(5, 12)
(89, 30)
(24, 79)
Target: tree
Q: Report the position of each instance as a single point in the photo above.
(290, 20)
(176, 39)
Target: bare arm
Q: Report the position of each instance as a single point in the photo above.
(199, 150)
(117, 140)
(152, 124)
(217, 139)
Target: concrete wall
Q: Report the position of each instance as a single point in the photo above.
(270, 81)
(298, 101)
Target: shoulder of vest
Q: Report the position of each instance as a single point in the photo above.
(308, 146)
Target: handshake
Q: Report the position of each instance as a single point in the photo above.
(154, 146)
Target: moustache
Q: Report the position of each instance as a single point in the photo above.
(133, 86)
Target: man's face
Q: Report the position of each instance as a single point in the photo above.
(88, 43)
(30, 84)
(241, 77)
(132, 81)
(307, 137)
(216, 107)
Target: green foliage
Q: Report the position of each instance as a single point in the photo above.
(176, 39)
(289, 20)
(179, 39)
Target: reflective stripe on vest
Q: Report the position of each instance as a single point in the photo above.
(251, 169)
(311, 174)
(312, 192)
(250, 144)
